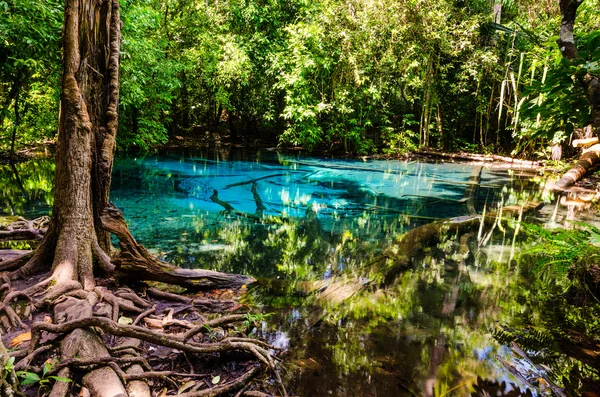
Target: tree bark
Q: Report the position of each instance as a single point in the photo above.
(590, 83)
(566, 41)
(86, 142)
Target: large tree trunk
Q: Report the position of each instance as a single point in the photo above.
(86, 142)
(568, 49)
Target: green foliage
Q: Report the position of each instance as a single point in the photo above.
(553, 103)
(9, 366)
(149, 76)
(44, 381)
(558, 104)
(253, 320)
(25, 182)
(29, 69)
(357, 77)
(561, 249)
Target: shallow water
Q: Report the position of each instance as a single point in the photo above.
(439, 329)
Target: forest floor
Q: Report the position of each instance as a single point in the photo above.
(144, 315)
(155, 339)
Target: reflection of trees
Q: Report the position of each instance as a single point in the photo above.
(425, 332)
(428, 332)
(27, 187)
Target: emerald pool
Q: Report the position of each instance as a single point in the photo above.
(453, 323)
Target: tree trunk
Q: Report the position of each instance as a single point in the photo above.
(15, 127)
(77, 238)
(568, 49)
(86, 142)
(591, 84)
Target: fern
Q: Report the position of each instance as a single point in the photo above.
(557, 251)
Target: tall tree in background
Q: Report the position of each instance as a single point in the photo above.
(590, 83)
(568, 49)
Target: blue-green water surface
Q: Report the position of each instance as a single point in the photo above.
(438, 329)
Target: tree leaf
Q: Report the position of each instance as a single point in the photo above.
(216, 379)
(60, 379)
(47, 367)
(21, 338)
(29, 378)
(125, 320)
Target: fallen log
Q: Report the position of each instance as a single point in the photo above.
(589, 158)
(481, 158)
(585, 142)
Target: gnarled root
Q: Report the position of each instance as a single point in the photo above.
(136, 262)
(23, 229)
(85, 319)
(174, 341)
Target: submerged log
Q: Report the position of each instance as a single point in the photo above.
(401, 254)
(588, 159)
(136, 262)
(472, 187)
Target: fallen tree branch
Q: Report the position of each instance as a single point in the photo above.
(589, 158)
(260, 207)
(229, 208)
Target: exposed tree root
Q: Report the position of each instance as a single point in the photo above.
(204, 304)
(14, 260)
(88, 319)
(24, 229)
(136, 262)
(84, 320)
(174, 341)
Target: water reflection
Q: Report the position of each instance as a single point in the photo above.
(443, 324)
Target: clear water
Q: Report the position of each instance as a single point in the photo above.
(166, 199)
(436, 331)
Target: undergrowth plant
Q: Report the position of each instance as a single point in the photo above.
(566, 274)
(560, 250)
(44, 381)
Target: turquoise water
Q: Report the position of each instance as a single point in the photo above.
(446, 324)
(167, 199)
